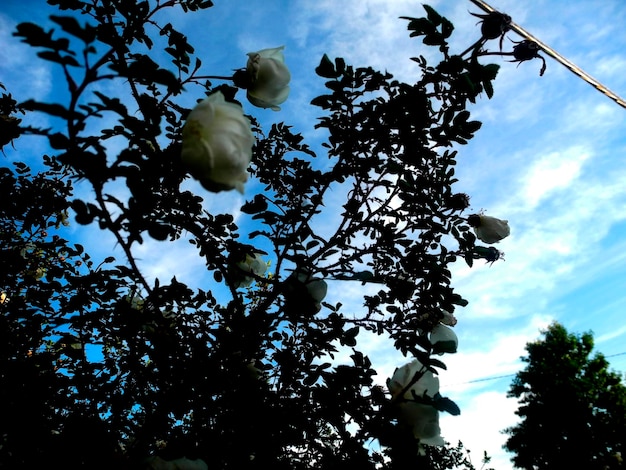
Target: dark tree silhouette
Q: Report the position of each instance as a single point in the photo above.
(572, 408)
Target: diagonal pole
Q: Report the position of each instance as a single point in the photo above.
(558, 57)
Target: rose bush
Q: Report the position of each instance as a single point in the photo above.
(268, 78)
(217, 144)
(181, 367)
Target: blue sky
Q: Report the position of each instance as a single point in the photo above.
(549, 158)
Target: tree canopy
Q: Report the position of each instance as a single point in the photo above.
(572, 407)
(103, 366)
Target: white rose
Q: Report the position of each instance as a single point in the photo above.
(217, 144)
(448, 318)
(489, 229)
(269, 77)
(422, 418)
(427, 384)
(443, 339)
(423, 421)
(252, 264)
(316, 287)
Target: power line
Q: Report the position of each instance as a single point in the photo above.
(496, 377)
(558, 57)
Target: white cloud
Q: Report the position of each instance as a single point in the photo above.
(556, 170)
(363, 32)
(16, 62)
(479, 427)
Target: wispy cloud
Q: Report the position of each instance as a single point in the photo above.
(17, 60)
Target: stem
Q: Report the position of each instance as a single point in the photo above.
(219, 77)
(125, 246)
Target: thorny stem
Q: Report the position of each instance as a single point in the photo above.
(125, 246)
(218, 77)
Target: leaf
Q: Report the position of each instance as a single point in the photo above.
(437, 363)
(490, 71)
(58, 141)
(445, 404)
(433, 16)
(363, 276)
(349, 337)
(83, 216)
(326, 68)
(114, 104)
(488, 88)
(258, 204)
(323, 101)
(52, 109)
(70, 25)
(34, 35)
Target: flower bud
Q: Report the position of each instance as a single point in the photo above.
(489, 253)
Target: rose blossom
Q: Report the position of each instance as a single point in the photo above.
(217, 144)
(316, 287)
(268, 78)
(443, 339)
(252, 264)
(489, 229)
(422, 418)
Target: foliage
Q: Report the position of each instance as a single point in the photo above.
(102, 366)
(572, 408)
(454, 458)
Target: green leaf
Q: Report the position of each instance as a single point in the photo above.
(490, 71)
(444, 347)
(488, 88)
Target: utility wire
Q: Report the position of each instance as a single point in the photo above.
(496, 377)
(555, 55)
